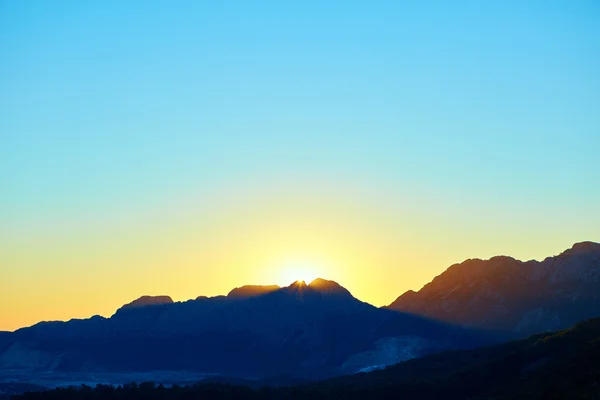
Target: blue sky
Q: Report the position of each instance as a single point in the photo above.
(487, 111)
(105, 99)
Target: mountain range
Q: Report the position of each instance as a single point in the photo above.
(317, 330)
(313, 330)
(504, 294)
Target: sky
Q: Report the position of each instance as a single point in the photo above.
(186, 148)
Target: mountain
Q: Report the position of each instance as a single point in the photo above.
(504, 294)
(561, 365)
(252, 291)
(313, 330)
(551, 366)
(148, 301)
(326, 287)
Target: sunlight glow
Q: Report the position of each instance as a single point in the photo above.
(298, 271)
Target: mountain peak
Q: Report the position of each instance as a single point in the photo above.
(247, 291)
(583, 248)
(322, 282)
(326, 286)
(145, 301)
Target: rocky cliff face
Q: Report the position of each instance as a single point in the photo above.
(510, 295)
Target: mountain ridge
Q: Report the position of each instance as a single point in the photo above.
(408, 301)
(318, 329)
(503, 293)
(302, 330)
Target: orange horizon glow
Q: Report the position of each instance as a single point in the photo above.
(376, 244)
(78, 273)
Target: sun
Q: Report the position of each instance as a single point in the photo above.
(298, 271)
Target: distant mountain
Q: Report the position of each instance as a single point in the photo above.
(302, 330)
(251, 291)
(148, 301)
(504, 294)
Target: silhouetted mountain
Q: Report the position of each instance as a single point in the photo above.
(252, 291)
(552, 366)
(510, 295)
(326, 287)
(303, 330)
(145, 301)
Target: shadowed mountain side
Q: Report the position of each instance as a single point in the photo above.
(505, 294)
(559, 365)
(5, 340)
(552, 366)
(302, 330)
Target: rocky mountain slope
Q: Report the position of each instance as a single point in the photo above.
(303, 330)
(504, 294)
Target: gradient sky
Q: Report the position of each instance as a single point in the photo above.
(185, 148)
